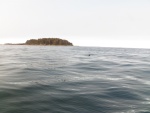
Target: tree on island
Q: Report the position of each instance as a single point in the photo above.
(48, 41)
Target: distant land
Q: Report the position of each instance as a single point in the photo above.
(45, 41)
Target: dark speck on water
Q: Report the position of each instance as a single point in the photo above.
(49, 79)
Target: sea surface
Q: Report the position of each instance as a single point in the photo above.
(50, 79)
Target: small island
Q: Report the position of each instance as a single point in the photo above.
(46, 41)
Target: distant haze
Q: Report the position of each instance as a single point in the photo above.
(103, 23)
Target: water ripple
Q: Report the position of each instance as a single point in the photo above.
(43, 79)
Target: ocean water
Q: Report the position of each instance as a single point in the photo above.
(48, 79)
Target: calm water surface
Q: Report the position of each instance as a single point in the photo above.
(47, 79)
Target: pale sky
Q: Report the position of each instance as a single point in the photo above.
(102, 23)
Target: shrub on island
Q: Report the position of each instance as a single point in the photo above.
(48, 41)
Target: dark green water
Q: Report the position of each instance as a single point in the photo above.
(43, 79)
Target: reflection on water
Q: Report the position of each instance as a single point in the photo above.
(47, 79)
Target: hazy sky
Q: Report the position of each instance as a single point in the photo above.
(108, 23)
